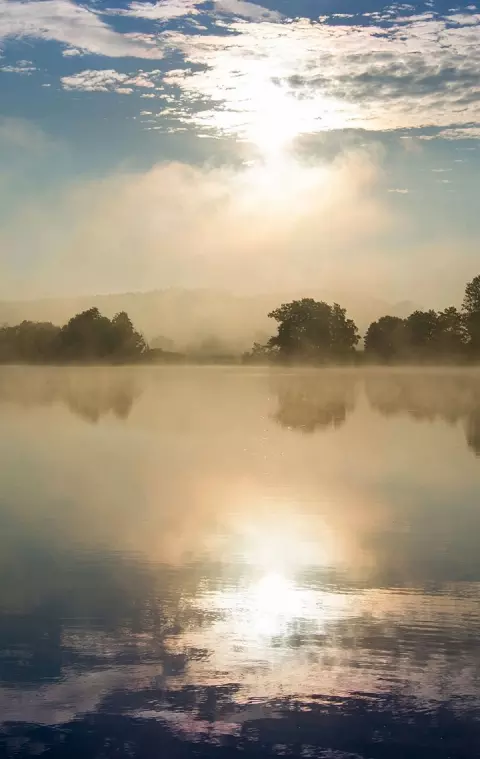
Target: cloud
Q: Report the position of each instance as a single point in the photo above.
(20, 67)
(163, 10)
(247, 10)
(109, 80)
(70, 24)
(166, 10)
(262, 227)
(415, 72)
(381, 71)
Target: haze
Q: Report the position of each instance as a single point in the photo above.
(241, 148)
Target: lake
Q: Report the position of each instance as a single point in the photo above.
(205, 562)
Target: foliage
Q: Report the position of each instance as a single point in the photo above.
(310, 330)
(471, 300)
(34, 342)
(385, 338)
(448, 335)
(314, 331)
(88, 336)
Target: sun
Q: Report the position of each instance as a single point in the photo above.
(276, 116)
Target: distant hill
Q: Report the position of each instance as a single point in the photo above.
(185, 318)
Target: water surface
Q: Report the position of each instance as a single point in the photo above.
(216, 561)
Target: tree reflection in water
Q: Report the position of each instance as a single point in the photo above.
(322, 400)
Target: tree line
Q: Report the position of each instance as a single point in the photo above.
(316, 332)
(308, 331)
(86, 337)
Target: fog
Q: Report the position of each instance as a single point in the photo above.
(194, 252)
(189, 318)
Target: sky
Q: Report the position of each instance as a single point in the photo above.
(227, 144)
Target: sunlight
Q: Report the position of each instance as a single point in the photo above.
(265, 608)
(287, 545)
(277, 117)
(264, 110)
(271, 607)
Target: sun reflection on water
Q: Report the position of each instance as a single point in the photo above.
(258, 617)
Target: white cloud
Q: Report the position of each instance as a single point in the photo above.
(163, 10)
(94, 81)
(247, 10)
(21, 67)
(71, 24)
(109, 80)
(399, 190)
(278, 79)
(307, 77)
(166, 10)
(70, 52)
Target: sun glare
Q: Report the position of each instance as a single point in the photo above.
(277, 117)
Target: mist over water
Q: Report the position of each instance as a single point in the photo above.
(203, 561)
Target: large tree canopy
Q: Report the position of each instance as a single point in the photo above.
(313, 330)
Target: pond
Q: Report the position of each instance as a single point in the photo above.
(217, 561)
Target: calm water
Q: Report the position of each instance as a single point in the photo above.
(212, 562)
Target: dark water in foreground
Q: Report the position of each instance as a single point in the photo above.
(212, 562)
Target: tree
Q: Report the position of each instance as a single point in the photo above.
(261, 353)
(471, 300)
(34, 342)
(126, 341)
(386, 338)
(422, 333)
(471, 308)
(86, 336)
(90, 336)
(452, 332)
(313, 331)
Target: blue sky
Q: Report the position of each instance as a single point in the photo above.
(226, 143)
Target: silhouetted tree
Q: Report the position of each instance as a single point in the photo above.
(471, 308)
(127, 342)
(34, 342)
(452, 334)
(313, 331)
(385, 339)
(422, 336)
(422, 333)
(88, 336)
(471, 300)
